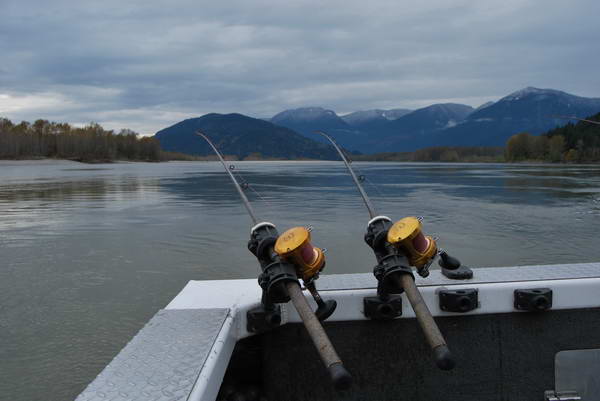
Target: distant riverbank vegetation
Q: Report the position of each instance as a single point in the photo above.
(92, 143)
(572, 143)
(466, 154)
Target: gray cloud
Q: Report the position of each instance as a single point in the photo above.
(145, 65)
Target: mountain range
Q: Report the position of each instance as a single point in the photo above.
(369, 131)
(242, 136)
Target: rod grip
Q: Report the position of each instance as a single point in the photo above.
(435, 339)
(340, 377)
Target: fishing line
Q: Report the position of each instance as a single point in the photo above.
(363, 177)
(246, 185)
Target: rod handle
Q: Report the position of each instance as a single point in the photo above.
(340, 377)
(433, 335)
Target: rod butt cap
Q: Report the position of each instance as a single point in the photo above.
(443, 358)
(342, 380)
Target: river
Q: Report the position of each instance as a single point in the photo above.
(89, 253)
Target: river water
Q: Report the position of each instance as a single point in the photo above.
(89, 253)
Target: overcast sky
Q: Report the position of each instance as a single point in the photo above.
(145, 65)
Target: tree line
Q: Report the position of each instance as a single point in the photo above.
(440, 154)
(571, 143)
(576, 143)
(92, 143)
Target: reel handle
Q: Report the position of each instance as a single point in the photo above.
(441, 352)
(452, 268)
(324, 308)
(339, 376)
(448, 262)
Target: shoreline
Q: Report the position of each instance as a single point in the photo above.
(204, 160)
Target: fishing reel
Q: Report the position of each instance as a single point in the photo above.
(397, 247)
(294, 246)
(407, 235)
(391, 260)
(286, 258)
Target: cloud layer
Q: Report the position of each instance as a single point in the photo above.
(145, 65)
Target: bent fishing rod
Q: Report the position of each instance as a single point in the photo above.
(284, 259)
(578, 119)
(397, 247)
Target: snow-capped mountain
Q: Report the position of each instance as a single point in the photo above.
(537, 105)
(483, 106)
(305, 120)
(376, 115)
(530, 110)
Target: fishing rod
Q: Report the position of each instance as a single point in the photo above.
(284, 259)
(576, 118)
(397, 247)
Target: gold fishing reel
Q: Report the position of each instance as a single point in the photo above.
(408, 235)
(294, 246)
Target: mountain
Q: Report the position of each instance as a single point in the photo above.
(377, 115)
(372, 122)
(375, 130)
(483, 106)
(434, 117)
(369, 131)
(307, 120)
(530, 109)
(415, 129)
(236, 134)
(534, 106)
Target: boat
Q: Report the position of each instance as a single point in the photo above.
(457, 333)
(199, 346)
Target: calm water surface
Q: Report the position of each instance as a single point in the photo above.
(89, 253)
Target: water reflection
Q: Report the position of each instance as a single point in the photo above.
(89, 254)
(93, 190)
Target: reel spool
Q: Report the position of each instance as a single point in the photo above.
(407, 234)
(294, 246)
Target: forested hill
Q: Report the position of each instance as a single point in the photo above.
(573, 143)
(242, 136)
(581, 135)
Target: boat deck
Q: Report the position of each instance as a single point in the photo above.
(163, 361)
(486, 275)
(183, 352)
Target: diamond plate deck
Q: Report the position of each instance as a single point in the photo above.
(481, 276)
(163, 360)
